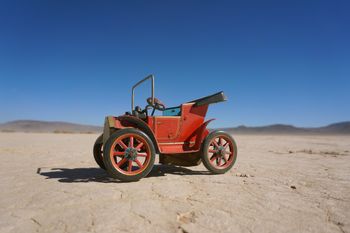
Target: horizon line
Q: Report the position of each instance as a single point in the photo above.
(233, 126)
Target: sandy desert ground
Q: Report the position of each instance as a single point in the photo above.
(50, 183)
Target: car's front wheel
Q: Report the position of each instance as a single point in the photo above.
(129, 155)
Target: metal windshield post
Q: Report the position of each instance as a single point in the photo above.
(137, 84)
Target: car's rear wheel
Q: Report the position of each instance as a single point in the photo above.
(129, 155)
(98, 152)
(219, 152)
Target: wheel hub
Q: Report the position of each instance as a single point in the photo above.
(130, 153)
(221, 151)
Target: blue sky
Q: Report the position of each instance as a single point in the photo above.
(277, 61)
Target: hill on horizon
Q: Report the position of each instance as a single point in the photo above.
(335, 128)
(36, 126)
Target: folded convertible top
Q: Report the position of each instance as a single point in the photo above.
(211, 99)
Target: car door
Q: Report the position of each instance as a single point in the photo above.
(166, 128)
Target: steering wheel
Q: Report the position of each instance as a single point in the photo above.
(157, 104)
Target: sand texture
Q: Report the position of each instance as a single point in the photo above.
(50, 183)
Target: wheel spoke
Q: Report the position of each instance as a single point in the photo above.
(139, 146)
(213, 151)
(213, 158)
(220, 142)
(122, 144)
(131, 142)
(121, 162)
(226, 145)
(228, 152)
(138, 163)
(142, 154)
(224, 158)
(130, 166)
(219, 161)
(216, 144)
(118, 153)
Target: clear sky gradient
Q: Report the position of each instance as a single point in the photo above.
(277, 61)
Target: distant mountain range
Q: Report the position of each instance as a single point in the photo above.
(64, 127)
(336, 128)
(47, 126)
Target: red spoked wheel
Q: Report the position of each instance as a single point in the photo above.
(219, 152)
(98, 152)
(130, 156)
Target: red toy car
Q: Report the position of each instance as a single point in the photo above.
(129, 143)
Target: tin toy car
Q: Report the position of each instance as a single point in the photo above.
(129, 143)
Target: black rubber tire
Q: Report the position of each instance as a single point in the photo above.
(204, 154)
(112, 171)
(97, 151)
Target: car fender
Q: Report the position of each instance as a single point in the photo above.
(203, 132)
(121, 122)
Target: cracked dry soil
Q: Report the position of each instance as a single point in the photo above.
(50, 183)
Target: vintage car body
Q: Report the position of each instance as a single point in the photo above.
(183, 133)
(178, 136)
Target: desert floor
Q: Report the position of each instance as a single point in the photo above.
(50, 183)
